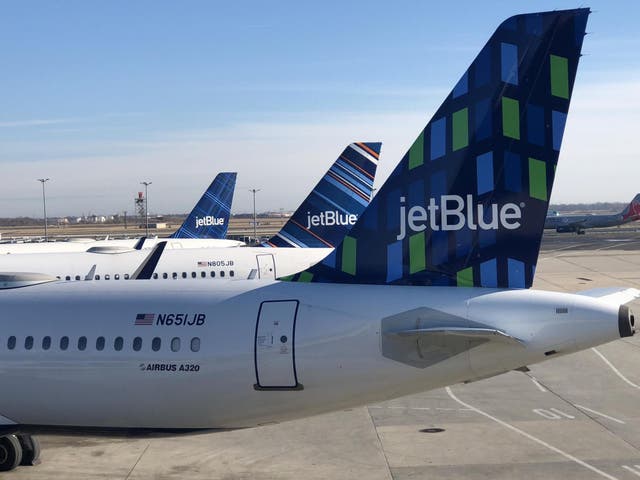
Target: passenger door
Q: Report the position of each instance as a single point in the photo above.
(275, 345)
(266, 266)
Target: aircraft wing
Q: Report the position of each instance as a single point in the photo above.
(613, 295)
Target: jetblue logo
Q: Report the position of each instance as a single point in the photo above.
(330, 218)
(455, 213)
(208, 221)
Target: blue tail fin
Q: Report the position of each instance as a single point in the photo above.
(466, 205)
(210, 217)
(333, 207)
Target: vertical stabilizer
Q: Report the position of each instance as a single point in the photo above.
(210, 217)
(631, 212)
(336, 202)
(466, 204)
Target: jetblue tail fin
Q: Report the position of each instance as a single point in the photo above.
(333, 207)
(466, 205)
(632, 211)
(210, 217)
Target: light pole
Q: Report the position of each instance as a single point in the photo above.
(44, 205)
(146, 208)
(255, 224)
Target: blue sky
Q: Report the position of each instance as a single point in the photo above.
(99, 96)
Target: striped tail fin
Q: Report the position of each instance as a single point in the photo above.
(210, 217)
(336, 202)
(466, 204)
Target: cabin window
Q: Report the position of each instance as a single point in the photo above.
(100, 343)
(193, 274)
(46, 343)
(231, 273)
(97, 277)
(77, 277)
(174, 275)
(175, 344)
(126, 276)
(195, 344)
(184, 274)
(82, 343)
(58, 277)
(118, 343)
(222, 273)
(137, 344)
(203, 274)
(116, 276)
(213, 274)
(155, 344)
(165, 275)
(67, 278)
(11, 342)
(107, 277)
(155, 276)
(64, 343)
(28, 342)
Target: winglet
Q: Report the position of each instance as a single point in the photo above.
(210, 217)
(139, 243)
(147, 267)
(91, 274)
(336, 202)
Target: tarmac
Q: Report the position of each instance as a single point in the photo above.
(573, 417)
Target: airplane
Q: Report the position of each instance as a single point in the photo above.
(430, 288)
(579, 223)
(206, 226)
(344, 190)
(321, 221)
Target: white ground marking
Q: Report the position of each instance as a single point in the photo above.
(600, 414)
(397, 407)
(560, 412)
(615, 370)
(531, 437)
(537, 383)
(632, 470)
(552, 413)
(546, 414)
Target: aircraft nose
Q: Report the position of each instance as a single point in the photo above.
(626, 321)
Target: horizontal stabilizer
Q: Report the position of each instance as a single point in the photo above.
(488, 334)
(23, 279)
(109, 249)
(614, 295)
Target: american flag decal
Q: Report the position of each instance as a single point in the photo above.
(202, 264)
(145, 319)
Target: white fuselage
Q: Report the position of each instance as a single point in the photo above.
(174, 264)
(84, 245)
(264, 351)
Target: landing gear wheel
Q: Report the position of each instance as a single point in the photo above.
(30, 450)
(10, 453)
